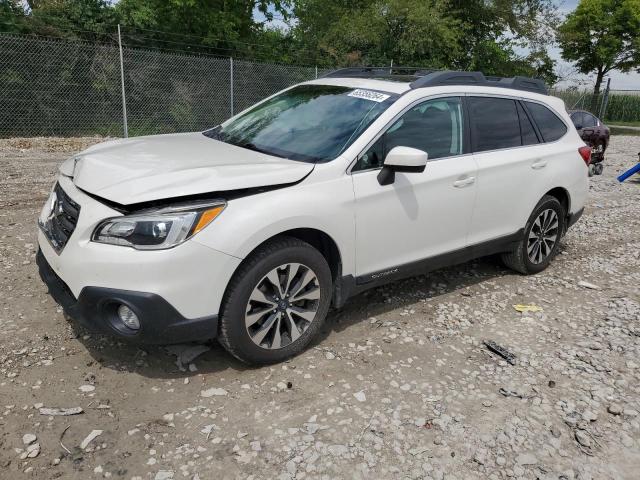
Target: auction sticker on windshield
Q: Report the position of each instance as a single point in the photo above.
(369, 95)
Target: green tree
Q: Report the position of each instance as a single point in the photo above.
(229, 26)
(491, 29)
(499, 58)
(86, 19)
(601, 36)
(409, 32)
(459, 34)
(12, 16)
(212, 26)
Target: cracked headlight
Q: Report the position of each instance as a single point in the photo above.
(158, 229)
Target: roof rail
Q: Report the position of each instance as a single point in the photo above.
(367, 72)
(448, 77)
(432, 78)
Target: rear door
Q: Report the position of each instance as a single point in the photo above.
(505, 145)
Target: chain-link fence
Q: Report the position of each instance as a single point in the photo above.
(584, 100)
(609, 105)
(69, 88)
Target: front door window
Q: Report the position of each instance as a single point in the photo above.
(434, 126)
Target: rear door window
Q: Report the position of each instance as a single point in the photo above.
(578, 119)
(528, 133)
(549, 124)
(589, 120)
(494, 123)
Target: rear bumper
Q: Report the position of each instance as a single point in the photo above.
(96, 307)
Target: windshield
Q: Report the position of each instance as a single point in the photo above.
(311, 123)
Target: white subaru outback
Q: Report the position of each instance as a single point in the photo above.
(250, 231)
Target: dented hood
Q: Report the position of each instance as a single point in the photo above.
(166, 166)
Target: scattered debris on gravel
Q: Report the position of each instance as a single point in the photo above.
(401, 384)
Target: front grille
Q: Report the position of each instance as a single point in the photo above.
(62, 219)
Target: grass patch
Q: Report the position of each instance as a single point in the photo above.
(625, 124)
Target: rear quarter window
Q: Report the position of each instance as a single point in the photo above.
(549, 124)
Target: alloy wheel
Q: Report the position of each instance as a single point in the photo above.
(282, 306)
(543, 236)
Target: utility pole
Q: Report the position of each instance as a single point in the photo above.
(124, 98)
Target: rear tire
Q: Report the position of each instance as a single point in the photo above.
(276, 302)
(541, 239)
(598, 168)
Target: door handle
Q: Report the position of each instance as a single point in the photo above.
(464, 182)
(538, 164)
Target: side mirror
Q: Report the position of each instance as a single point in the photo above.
(402, 159)
(578, 127)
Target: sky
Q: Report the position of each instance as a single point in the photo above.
(619, 81)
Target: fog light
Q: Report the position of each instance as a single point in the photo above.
(128, 317)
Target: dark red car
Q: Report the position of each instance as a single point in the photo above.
(595, 134)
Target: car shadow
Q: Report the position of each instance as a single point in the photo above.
(412, 291)
(157, 362)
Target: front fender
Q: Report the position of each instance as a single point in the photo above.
(249, 221)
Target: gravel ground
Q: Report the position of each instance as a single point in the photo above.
(399, 386)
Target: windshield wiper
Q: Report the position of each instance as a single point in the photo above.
(217, 134)
(255, 148)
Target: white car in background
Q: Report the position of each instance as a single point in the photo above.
(250, 231)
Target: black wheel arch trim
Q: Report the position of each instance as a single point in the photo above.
(572, 218)
(321, 241)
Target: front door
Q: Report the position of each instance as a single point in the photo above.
(420, 215)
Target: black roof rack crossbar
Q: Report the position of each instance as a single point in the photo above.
(448, 77)
(433, 78)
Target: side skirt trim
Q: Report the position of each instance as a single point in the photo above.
(350, 285)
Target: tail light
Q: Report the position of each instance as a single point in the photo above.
(585, 153)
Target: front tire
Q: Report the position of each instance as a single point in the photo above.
(276, 302)
(542, 235)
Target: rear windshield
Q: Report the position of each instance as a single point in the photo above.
(310, 123)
